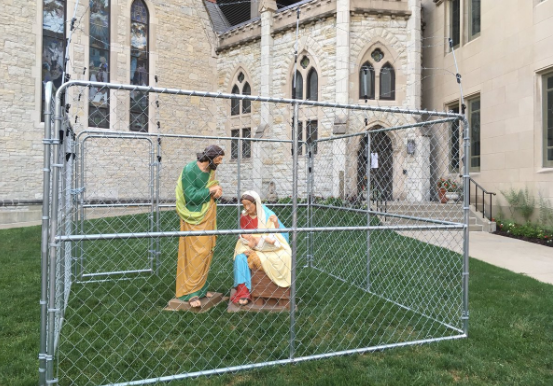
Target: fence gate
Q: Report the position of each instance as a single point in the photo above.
(132, 163)
(377, 260)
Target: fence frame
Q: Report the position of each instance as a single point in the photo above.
(53, 244)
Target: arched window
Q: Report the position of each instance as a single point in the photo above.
(53, 44)
(98, 97)
(246, 104)
(139, 65)
(387, 82)
(235, 103)
(240, 109)
(298, 94)
(366, 81)
(312, 85)
(307, 79)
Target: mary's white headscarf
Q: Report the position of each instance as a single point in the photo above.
(261, 220)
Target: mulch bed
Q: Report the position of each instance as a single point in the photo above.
(531, 240)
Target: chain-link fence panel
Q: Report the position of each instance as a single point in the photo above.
(364, 255)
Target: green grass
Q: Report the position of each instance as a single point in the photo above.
(119, 327)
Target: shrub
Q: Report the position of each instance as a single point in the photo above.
(520, 201)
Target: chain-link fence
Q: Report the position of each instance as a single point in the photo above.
(376, 259)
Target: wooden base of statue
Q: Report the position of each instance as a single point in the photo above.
(207, 303)
(266, 296)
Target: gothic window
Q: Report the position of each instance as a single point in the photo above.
(99, 47)
(307, 88)
(139, 65)
(235, 103)
(387, 82)
(312, 85)
(235, 143)
(366, 81)
(307, 81)
(242, 88)
(246, 103)
(311, 134)
(298, 92)
(53, 44)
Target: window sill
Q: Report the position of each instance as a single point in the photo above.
(545, 169)
(235, 160)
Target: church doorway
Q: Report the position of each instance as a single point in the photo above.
(381, 161)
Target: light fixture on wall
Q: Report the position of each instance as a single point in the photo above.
(411, 145)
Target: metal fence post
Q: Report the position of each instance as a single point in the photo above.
(53, 243)
(466, 213)
(45, 230)
(369, 192)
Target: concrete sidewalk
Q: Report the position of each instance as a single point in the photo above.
(522, 257)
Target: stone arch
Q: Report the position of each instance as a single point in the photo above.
(229, 74)
(307, 45)
(392, 159)
(247, 77)
(381, 36)
(397, 61)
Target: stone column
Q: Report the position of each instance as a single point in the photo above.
(342, 94)
(260, 151)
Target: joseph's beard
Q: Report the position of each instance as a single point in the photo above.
(212, 165)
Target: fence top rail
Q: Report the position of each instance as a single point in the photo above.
(142, 135)
(386, 129)
(173, 91)
(143, 235)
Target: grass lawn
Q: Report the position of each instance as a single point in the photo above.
(510, 328)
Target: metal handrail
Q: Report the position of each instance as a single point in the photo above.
(484, 192)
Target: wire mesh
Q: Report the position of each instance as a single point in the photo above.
(376, 259)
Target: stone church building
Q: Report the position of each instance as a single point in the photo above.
(384, 53)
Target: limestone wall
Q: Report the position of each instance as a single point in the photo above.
(182, 55)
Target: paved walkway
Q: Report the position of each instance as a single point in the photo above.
(522, 257)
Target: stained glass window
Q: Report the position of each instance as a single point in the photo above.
(53, 44)
(139, 65)
(98, 97)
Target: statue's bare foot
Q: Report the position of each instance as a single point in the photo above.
(209, 295)
(195, 302)
(244, 301)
